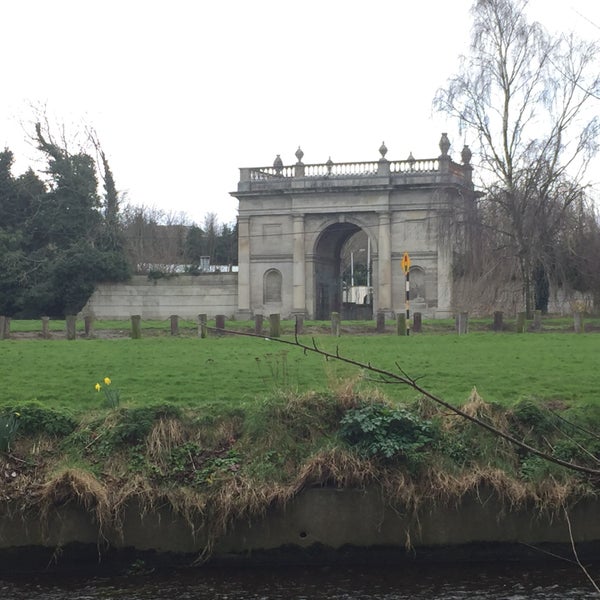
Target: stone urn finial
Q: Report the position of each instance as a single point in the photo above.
(299, 155)
(466, 155)
(383, 149)
(278, 164)
(444, 144)
(411, 160)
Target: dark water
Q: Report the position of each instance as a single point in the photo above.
(414, 582)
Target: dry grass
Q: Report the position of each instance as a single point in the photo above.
(166, 434)
(79, 486)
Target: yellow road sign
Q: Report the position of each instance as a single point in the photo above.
(406, 262)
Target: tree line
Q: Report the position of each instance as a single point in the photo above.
(63, 230)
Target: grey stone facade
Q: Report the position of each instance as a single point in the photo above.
(295, 221)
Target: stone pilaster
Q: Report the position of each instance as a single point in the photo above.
(444, 280)
(299, 269)
(244, 268)
(384, 288)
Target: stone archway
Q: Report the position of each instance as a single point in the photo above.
(339, 284)
(297, 219)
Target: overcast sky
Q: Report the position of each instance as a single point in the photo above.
(184, 92)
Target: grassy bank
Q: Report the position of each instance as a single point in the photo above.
(223, 427)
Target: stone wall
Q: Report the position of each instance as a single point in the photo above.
(184, 295)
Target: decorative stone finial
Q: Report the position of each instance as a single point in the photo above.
(412, 160)
(299, 155)
(383, 150)
(278, 163)
(444, 144)
(466, 155)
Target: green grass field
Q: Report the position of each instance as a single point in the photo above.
(239, 371)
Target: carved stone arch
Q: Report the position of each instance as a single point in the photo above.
(369, 226)
(335, 290)
(272, 284)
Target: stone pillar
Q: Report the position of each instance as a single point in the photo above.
(380, 321)
(244, 311)
(71, 321)
(299, 269)
(537, 320)
(258, 324)
(444, 279)
(299, 324)
(462, 323)
(136, 327)
(417, 322)
(384, 260)
(174, 324)
(521, 322)
(88, 325)
(335, 324)
(578, 322)
(4, 327)
(46, 328)
(202, 328)
(498, 321)
(220, 323)
(275, 325)
(401, 324)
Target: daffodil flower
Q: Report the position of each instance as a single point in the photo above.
(97, 387)
(107, 380)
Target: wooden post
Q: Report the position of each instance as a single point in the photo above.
(401, 324)
(578, 322)
(462, 323)
(136, 327)
(258, 324)
(335, 324)
(274, 325)
(498, 324)
(220, 324)
(88, 324)
(417, 322)
(537, 320)
(202, 328)
(380, 321)
(46, 328)
(299, 324)
(174, 324)
(3, 334)
(71, 321)
(521, 322)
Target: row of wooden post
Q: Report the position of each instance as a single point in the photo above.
(461, 321)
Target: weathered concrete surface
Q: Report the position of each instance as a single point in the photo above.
(184, 295)
(317, 522)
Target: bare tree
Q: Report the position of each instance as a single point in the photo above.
(525, 96)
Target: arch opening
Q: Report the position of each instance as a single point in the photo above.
(343, 273)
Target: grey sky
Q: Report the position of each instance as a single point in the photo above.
(182, 93)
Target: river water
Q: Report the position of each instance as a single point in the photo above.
(405, 582)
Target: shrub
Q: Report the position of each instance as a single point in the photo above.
(378, 430)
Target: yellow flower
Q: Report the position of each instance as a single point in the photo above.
(98, 387)
(107, 380)
(17, 414)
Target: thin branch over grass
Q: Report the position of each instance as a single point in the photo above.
(404, 379)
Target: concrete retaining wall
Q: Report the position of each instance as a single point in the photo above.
(184, 295)
(322, 522)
